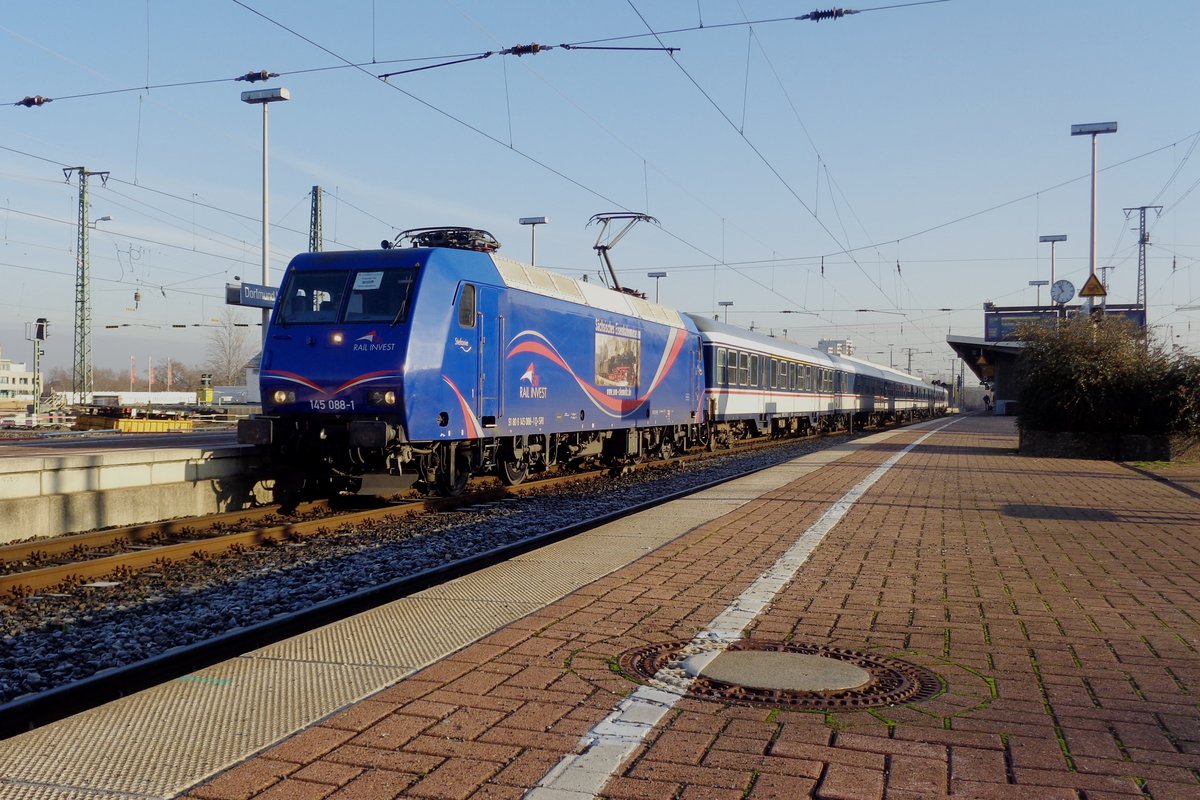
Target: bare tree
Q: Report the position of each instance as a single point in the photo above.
(229, 348)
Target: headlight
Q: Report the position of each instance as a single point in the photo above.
(381, 397)
(337, 337)
(282, 396)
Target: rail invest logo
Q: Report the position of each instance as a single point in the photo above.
(534, 391)
(369, 342)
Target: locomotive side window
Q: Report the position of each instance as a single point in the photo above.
(380, 296)
(466, 306)
(311, 297)
(720, 367)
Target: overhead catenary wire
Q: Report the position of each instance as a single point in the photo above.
(844, 233)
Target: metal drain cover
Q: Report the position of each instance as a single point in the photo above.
(782, 673)
(779, 671)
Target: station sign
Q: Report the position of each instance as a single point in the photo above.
(1001, 324)
(250, 294)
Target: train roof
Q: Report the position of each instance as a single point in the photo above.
(515, 275)
(518, 275)
(722, 333)
(730, 335)
(863, 367)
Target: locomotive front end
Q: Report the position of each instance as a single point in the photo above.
(333, 368)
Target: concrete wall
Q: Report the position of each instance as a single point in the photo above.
(51, 495)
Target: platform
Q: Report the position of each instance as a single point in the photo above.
(54, 486)
(1055, 602)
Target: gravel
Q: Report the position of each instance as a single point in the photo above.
(53, 639)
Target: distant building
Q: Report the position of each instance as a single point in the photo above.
(17, 383)
(836, 347)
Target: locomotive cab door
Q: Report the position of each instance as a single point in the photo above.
(489, 330)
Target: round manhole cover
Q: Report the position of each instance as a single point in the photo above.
(783, 673)
(780, 671)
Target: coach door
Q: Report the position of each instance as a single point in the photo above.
(490, 337)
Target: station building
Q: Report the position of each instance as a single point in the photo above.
(993, 357)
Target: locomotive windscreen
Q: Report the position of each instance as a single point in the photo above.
(369, 295)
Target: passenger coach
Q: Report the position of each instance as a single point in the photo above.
(760, 385)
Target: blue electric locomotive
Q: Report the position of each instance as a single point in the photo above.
(431, 363)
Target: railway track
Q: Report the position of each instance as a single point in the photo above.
(95, 558)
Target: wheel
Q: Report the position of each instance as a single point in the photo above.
(514, 461)
(513, 472)
(453, 485)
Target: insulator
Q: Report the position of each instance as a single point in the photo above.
(30, 102)
(254, 77)
(525, 49)
(818, 15)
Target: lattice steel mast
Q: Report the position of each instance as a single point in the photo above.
(81, 380)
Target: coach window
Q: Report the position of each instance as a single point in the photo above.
(466, 306)
(719, 375)
(743, 369)
(754, 369)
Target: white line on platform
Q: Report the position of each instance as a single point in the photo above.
(603, 749)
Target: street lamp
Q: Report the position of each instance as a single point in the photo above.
(1053, 239)
(265, 97)
(1039, 285)
(533, 222)
(1093, 129)
(656, 276)
(726, 304)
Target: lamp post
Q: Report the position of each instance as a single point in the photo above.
(726, 304)
(1093, 129)
(1039, 285)
(265, 97)
(1053, 239)
(533, 222)
(656, 276)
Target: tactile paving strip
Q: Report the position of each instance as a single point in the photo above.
(191, 726)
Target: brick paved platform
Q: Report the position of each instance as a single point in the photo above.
(1057, 600)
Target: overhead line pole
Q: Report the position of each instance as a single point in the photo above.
(81, 376)
(316, 237)
(1143, 240)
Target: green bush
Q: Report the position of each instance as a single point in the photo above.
(1105, 376)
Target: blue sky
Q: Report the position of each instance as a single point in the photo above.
(935, 137)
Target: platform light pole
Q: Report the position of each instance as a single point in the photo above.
(1039, 285)
(1053, 239)
(726, 304)
(1093, 129)
(265, 97)
(533, 222)
(656, 276)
